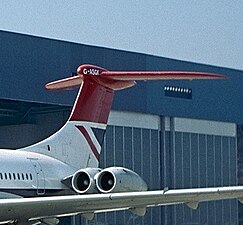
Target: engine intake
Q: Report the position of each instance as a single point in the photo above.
(119, 179)
(83, 181)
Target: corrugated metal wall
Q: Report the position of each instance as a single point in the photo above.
(171, 158)
(139, 150)
(201, 160)
(176, 159)
(166, 152)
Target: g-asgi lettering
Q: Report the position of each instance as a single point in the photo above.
(91, 71)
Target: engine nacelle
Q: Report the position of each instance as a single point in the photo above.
(119, 179)
(83, 181)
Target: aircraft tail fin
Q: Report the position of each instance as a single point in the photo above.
(78, 142)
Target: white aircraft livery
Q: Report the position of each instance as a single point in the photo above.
(60, 177)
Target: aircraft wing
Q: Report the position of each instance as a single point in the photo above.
(43, 207)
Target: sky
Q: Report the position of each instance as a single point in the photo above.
(208, 31)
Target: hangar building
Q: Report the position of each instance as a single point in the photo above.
(175, 134)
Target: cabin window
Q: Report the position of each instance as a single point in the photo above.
(14, 176)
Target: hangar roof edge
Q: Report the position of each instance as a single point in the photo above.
(120, 50)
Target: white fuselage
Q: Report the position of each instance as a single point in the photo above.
(28, 174)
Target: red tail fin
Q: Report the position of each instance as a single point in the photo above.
(94, 100)
(117, 80)
(78, 142)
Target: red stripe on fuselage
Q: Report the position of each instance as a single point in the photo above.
(90, 142)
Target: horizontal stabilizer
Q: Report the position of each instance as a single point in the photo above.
(118, 80)
(159, 75)
(65, 84)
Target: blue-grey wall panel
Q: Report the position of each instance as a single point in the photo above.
(210, 160)
(219, 164)
(186, 160)
(233, 160)
(194, 160)
(202, 161)
(137, 133)
(225, 159)
(146, 154)
(155, 164)
(164, 159)
(219, 207)
(167, 159)
(137, 149)
(217, 100)
(128, 148)
(178, 161)
(28, 62)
